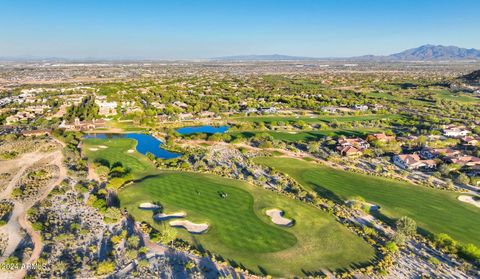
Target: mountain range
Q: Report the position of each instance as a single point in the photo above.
(422, 53)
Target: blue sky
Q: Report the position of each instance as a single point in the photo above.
(209, 28)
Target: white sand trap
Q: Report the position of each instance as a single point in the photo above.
(277, 217)
(131, 151)
(103, 146)
(469, 199)
(148, 205)
(163, 216)
(189, 226)
(93, 149)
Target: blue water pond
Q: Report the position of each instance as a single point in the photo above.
(145, 143)
(202, 129)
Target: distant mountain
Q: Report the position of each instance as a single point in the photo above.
(422, 53)
(269, 57)
(432, 53)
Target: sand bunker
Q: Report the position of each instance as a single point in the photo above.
(148, 205)
(93, 149)
(277, 217)
(189, 226)
(469, 199)
(103, 146)
(163, 216)
(131, 151)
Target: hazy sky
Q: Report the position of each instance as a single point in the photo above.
(210, 28)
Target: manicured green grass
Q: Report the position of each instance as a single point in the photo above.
(457, 97)
(398, 97)
(239, 229)
(116, 151)
(434, 210)
(317, 119)
(307, 135)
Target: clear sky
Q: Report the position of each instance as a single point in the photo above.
(209, 28)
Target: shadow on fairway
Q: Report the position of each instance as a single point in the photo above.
(324, 192)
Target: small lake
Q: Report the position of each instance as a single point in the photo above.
(202, 129)
(145, 143)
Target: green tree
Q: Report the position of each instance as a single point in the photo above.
(463, 179)
(133, 241)
(470, 252)
(444, 241)
(391, 247)
(168, 235)
(406, 226)
(399, 238)
(113, 214)
(106, 267)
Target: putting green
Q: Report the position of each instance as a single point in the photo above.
(241, 232)
(436, 211)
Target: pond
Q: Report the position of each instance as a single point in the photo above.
(202, 129)
(145, 143)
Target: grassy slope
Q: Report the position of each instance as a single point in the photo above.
(434, 210)
(117, 152)
(240, 230)
(458, 97)
(317, 119)
(308, 135)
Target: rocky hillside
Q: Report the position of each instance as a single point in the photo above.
(472, 79)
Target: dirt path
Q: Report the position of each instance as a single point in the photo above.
(13, 228)
(92, 174)
(26, 225)
(24, 162)
(18, 220)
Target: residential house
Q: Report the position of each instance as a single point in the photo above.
(78, 125)
(106, 108)
(360, 107)
(436, 152)
(348, 150)
(20, 117)
(269, 110)
(185, 116)
(381, 138)
(329, 109)
(158, 105)
(470, 140)
(466, 160)
(455, 131)
(250, 110)
(206, 114)
(181, 105)
(350, 147)
(36, 133)
(413, 161)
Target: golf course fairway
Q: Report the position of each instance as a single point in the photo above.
(437, 211)
(240, 230)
